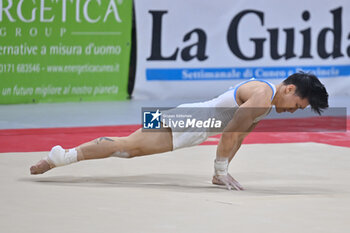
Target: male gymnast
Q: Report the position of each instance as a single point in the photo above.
(253, 100)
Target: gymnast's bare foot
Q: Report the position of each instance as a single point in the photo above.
(41, 167)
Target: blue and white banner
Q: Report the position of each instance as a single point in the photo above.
(197, 49)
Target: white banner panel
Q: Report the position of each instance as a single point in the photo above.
(199, 48)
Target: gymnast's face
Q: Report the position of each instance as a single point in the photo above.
(288, 101)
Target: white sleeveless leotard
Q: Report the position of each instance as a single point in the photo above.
(188, 137)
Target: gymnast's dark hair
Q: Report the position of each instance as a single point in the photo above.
(308, 86)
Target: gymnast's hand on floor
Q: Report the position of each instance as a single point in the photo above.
(227, 180)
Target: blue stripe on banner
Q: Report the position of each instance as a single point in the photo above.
(194, 74)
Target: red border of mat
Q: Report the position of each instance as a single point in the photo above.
(43, 139)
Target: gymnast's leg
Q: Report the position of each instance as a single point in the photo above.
(136, 144)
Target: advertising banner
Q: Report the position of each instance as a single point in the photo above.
(64, 50)
(195, 49)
